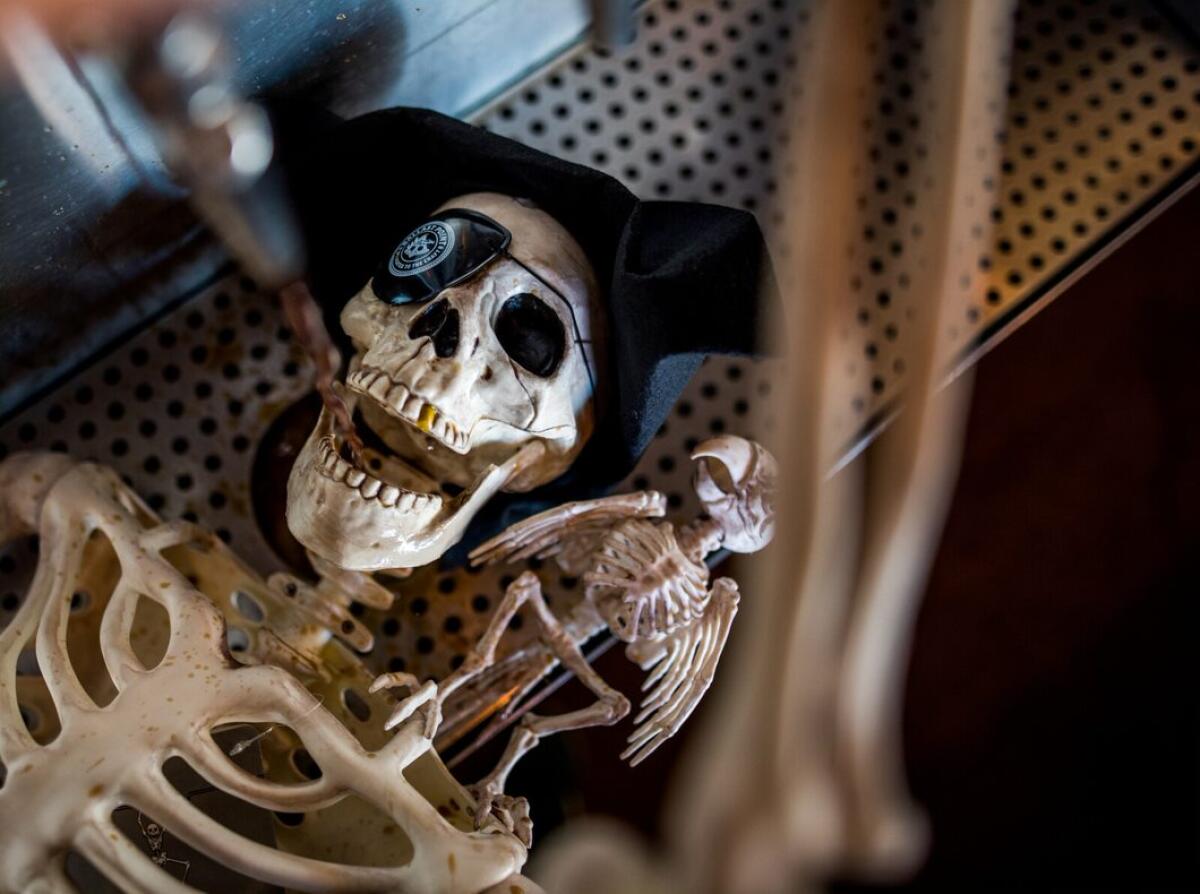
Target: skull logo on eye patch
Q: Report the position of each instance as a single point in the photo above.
(425, 247)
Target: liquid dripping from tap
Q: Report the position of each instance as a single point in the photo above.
(304, 316)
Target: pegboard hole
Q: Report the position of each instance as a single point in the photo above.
(356, 705)
(304, 764)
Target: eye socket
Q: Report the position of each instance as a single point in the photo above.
(430, 320)
(531, 334)
(439, 323)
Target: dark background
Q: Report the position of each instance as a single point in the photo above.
(1050, 719)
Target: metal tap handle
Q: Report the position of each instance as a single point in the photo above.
(217, 143)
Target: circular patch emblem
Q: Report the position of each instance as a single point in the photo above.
(425, 247)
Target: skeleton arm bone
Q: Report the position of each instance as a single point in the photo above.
(486, 486)
(610, 706)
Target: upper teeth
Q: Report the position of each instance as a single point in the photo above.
(334, 467)
(399, 401)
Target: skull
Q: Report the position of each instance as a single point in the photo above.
(487, 386)
(735, 481)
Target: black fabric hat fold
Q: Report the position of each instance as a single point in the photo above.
(681, 280)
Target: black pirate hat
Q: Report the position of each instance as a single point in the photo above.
(681, 280)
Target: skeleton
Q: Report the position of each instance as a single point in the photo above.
(153, 834)
(646, 582)
(449, 413)
(826, 792)
(94, 702)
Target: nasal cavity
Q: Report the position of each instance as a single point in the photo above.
(438, 323)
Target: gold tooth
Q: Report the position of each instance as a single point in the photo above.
(425, 416)
(428, 418)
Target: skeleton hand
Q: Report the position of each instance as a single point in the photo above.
(513, 813)
(424, 696)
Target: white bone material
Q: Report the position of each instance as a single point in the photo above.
(647, 582)
(450, 414)
(84, 732)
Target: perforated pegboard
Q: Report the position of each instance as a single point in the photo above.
(179, 411)
(1103, 113)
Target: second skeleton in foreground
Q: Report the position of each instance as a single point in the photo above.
(644, 580)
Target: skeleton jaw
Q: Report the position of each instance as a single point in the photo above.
(387, 518)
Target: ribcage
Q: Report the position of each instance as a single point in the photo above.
(641, 582)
